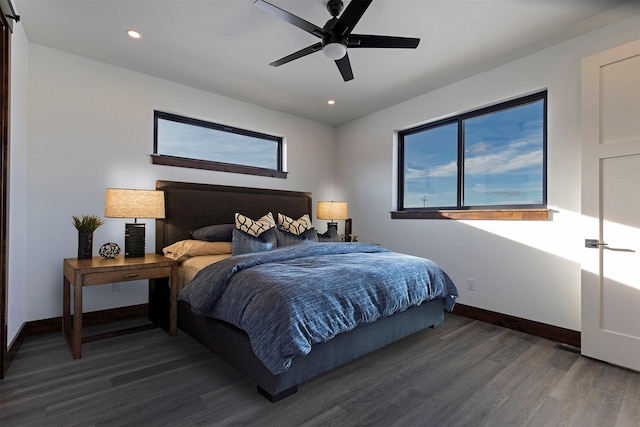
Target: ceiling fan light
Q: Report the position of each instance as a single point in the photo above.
(334, 51)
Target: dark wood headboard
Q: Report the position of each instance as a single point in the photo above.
(190, 206)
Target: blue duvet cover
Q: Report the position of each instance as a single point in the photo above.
(288, 299)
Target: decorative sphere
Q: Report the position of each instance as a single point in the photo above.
(109, 250)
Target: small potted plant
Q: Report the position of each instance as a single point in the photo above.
(86, 225)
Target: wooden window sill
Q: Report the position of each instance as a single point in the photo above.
(159, 159)
(486, 214)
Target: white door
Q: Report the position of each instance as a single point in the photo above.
(611, 206)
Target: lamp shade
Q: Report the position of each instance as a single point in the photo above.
(333, 210)
(123, 203)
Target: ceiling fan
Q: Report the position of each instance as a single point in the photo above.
(336, 34)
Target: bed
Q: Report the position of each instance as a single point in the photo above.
(190, 206)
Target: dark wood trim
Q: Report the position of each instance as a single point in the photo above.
(538, 329)
(92, 318)
(555, 333)
(470, 214)
(12, 351)
(159, 159)
(8, 14)
(5, 114)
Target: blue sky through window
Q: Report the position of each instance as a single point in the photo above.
(431, 159)
(503, 160)
(195, 142)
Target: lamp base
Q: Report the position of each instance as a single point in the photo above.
(347, 230)
(333, 225)
(134, 239)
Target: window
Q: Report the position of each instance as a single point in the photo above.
(185, 142)
(492, 159)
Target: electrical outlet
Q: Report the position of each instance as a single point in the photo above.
(471, 284)
(116, 287)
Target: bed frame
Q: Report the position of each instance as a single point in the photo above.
(190, 206)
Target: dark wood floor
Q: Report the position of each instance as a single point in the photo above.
(466, 373)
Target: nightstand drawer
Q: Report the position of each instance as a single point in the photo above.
(125, 276)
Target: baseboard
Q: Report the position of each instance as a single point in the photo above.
(45, 326)
(54, 324)
(566, 336)
(12, 350)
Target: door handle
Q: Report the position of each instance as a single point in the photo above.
(595, 243)
(619, 249)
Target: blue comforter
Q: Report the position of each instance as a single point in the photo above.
(289, 298)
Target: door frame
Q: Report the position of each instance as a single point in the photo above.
(6, 27)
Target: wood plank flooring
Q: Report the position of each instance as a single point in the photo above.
(465, 373)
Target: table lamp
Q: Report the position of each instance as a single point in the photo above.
(333, 211)
(124, 203)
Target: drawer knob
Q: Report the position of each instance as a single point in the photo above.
(131, 275)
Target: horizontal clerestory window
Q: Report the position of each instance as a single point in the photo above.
(192, 143)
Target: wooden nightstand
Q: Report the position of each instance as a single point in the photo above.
(98, 271)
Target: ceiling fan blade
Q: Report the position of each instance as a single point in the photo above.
(299, 54)
(344, 65)
(366, 40)
(290, 18)
(350, 17)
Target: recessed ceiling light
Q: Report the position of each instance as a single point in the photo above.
(134, 34)
(331, 102)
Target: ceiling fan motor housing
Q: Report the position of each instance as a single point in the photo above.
(333, 38)
(334, 46)
(334, 7)
(330, 36)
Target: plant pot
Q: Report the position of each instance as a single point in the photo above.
(85, 245)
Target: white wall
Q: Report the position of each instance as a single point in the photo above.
(526, 269)
(91, 127)
(17, 261)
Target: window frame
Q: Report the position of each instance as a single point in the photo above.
(188, 162)
(503, 212)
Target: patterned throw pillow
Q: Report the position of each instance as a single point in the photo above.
(294, 226)
(254, 228)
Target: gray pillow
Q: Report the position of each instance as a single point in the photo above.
(330, 236)
(214, 233)
(244, 242)
(287, 239)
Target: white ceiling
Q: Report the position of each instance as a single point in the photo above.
(225, 46)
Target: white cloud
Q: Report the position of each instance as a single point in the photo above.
(506, 161)
(450, 169)
(479, 147)
(411, 174)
